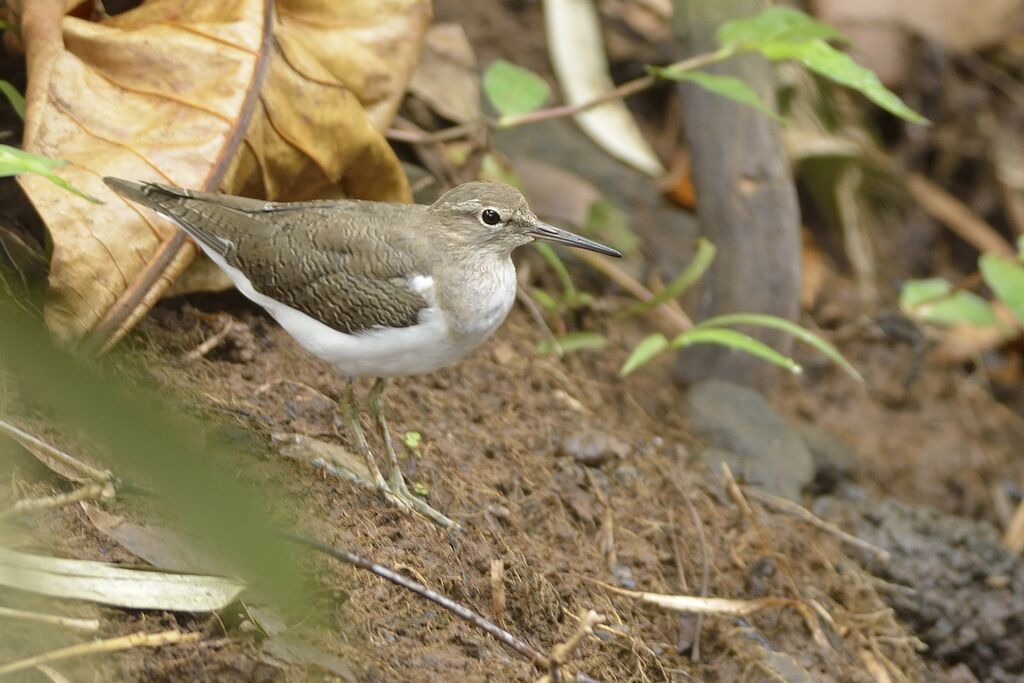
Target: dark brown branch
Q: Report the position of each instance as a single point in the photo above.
(461, 611)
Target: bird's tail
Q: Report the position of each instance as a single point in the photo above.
(181, 206)
(147, 194)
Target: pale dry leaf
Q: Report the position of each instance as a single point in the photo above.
(965, 342)
(556, 194)
(202, 95)
(698, 605)
(446, 77)
(878, 28)
(111, 585)
(578, 57)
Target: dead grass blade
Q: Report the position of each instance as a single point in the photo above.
(75, 624)
(97, 646)
(802, 513)
(111, 585)
(695, 604)
(57, 460)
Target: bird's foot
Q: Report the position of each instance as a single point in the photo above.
(343, 464)
(398, 489)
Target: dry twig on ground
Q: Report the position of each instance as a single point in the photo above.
(97, 646)
(87, 625)
(802, 513)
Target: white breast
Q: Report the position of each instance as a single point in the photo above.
(383, 352)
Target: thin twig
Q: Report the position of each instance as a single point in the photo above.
(625, 90)
(736, 493)
(87, 492)
(492, 629)
(957, 216)
(705, 577)
(497, 588)
(620, 92)
(212, 342)
(674, 317)
(33, 443)
(443, 135)
(1014, 536)
(803, 514)
(561, 653)
(51, 673)
(108, 645)
(538, 316)
(87, 625)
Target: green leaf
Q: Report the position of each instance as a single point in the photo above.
(726, 86)
(514, 90)
(773, 322)
(775, 25)
(14, 97)
(694, 271)
(14, 161)
(933, 300)
(917, 292)
(1006, 278)
(574, 341)
(609, 224)
(545, 300)
(735, 340)
(647, 349)
(412, 440)
(960, 307)
(823, 59)
(782, 33)
(557, 265)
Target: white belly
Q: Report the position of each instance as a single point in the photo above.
(387, 351)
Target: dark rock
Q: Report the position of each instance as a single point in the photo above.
(745, 432)
(946, 565)
(834, 460)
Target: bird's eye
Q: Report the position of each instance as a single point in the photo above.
(490, 217)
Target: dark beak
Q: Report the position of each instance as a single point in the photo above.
(549, 233)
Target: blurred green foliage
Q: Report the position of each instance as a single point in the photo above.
(161, 454)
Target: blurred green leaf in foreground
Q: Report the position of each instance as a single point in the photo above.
(146, 443)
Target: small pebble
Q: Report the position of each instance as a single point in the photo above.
(503, 354)
(594, 448)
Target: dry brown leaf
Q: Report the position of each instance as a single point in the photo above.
(878, 27)
(163, 548)
(558, 195)
(966, 342)
(201, 94)
(337, 74)
(812, 270)
(446, 77)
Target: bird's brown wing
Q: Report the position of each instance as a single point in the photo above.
(345, 263)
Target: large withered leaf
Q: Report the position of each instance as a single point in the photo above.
(235, 95)
(338, 71)
(159, 101)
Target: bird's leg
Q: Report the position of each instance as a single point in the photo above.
(350, 413)
(395, 477)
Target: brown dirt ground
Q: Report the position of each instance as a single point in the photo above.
(492, 427)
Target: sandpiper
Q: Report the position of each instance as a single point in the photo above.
(376, 289)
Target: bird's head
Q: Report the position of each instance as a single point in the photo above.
(496, 217)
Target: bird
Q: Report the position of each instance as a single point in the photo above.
(376, 289)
